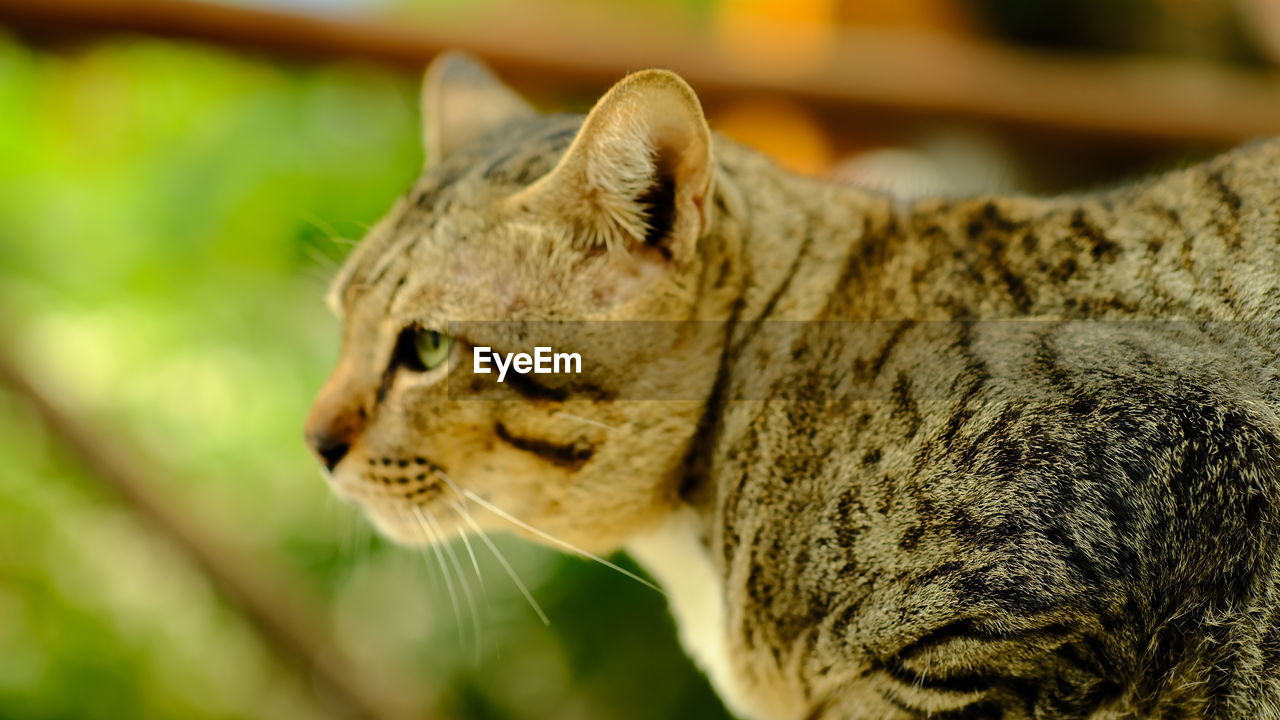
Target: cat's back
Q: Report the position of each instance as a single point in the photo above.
(1047, 513)
(1043, 515)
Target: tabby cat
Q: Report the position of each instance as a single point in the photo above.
(991, 457)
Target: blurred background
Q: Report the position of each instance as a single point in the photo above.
(177, 182)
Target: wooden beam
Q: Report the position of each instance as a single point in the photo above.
(1154, 99)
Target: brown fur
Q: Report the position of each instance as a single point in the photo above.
(968, 458)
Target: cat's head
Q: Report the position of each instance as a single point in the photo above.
(593, 223)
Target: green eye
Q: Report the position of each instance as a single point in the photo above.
(432, 347)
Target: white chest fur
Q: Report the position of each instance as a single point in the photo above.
(675, 555)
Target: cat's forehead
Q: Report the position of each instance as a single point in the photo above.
(453, 194)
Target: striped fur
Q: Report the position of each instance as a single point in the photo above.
(995, 457)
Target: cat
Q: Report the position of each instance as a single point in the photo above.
(988, 457)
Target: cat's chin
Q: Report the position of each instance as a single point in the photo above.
(409, 525)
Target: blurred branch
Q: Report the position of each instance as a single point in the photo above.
(1148, 98)
(274, 606)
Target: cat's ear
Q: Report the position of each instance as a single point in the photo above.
(638, 175)
(461, 101)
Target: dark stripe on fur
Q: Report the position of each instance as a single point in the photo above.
(570, 457)
(968, 629)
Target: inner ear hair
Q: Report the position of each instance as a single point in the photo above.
(638, 175)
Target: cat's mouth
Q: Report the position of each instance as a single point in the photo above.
(403, 501)
(391, 481)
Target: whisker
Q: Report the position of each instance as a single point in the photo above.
(466, 542)
(555, 540)
(581, 419)
(462, 580)
(444, 570)
(433, 578)
(320, 259)
(359, 534)
(502, 560)
(318, 274)
(329, 244)
(315, 221)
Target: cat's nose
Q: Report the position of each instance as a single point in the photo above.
(329, 449)
(337, 418)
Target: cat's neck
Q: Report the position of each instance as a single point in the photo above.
(787, 232)
(774, 241)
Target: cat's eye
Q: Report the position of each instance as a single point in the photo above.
(432, 347)
(419, 349)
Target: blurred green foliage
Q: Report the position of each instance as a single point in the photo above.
(168, 215)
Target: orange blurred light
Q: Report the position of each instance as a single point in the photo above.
(776, 36)
(780, 129)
